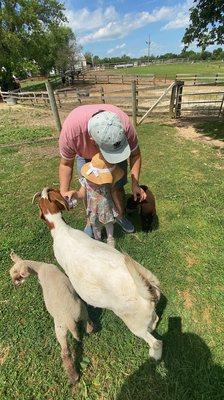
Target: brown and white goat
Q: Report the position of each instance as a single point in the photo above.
(103, 276)
(61, 302)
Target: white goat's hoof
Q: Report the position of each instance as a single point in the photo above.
(156, 351)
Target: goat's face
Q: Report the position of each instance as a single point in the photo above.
(50, 202)
(20, 271)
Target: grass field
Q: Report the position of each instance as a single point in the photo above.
(186, 253)
(170, 70)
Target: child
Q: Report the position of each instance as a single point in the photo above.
(98, 178)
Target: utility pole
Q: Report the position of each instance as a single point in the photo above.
(148, 43)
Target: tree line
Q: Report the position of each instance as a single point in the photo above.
(215, 55)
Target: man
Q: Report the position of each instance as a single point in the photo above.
(104, 128)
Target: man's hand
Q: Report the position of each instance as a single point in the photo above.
(138, 193)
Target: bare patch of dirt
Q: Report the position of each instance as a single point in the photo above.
(4, 352)
(187, 130)
(206, 316)
(28, 153)
(191, 261)
(28, 116)
(188, 299)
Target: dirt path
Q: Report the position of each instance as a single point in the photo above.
(188, 130)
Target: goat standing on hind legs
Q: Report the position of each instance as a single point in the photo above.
(61, 302)
(103, 276)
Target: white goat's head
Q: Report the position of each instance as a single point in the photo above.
(20, 270)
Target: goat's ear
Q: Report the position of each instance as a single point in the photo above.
(41, 214)
(14, 257)
(56, 197)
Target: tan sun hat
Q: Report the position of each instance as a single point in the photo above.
(99, 171)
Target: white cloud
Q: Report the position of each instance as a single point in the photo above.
(105, 23)
(120, 27)
(84, 20)
(180, 18)
(118, 47)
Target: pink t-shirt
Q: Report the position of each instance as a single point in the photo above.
(74, 138)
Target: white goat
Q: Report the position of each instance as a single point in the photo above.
(61, 302)
(101, 275)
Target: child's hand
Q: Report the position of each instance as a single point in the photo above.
(70, 194)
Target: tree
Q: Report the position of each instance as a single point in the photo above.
(218, 54)
(206, 23)
(29, 31)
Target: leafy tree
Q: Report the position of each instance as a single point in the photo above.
(218, 54)
(30, 31)
(206, 23)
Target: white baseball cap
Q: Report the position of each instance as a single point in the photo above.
(108, 132)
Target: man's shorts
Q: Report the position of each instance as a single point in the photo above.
(80, 161)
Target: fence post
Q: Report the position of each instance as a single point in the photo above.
(220, 109)
(53, 104)
(134, 104)
(172, 99)
(96, 79)
(122, 79)
(179, 91)
(108, 78)
(102, 94)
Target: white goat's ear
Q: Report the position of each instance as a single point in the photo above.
(14, 257)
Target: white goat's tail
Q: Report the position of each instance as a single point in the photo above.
(146, 282)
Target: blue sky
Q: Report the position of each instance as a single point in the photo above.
(112, 28)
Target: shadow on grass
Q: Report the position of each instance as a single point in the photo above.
(214, 129)
(190, 372)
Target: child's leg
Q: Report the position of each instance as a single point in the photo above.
(110, 232)
(97, 231)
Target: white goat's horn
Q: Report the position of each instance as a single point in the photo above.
(38, 194)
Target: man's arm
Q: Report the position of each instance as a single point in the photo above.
(135, 167)
(65, 176)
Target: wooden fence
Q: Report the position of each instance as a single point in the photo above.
(195, 79)
(179, 98)
(119, 79)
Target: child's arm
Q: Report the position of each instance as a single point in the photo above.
(80, 194)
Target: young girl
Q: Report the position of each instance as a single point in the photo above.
(98, 176)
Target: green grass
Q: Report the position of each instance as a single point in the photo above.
(186, 253)
(170, 70)
(214, 130)
(12, 130)
(34, 85)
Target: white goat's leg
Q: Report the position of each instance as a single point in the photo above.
(73, 329)
(88, 324)
(67, 361)
(141, 331)
(153, 322)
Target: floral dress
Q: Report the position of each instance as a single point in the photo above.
(100, 206)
